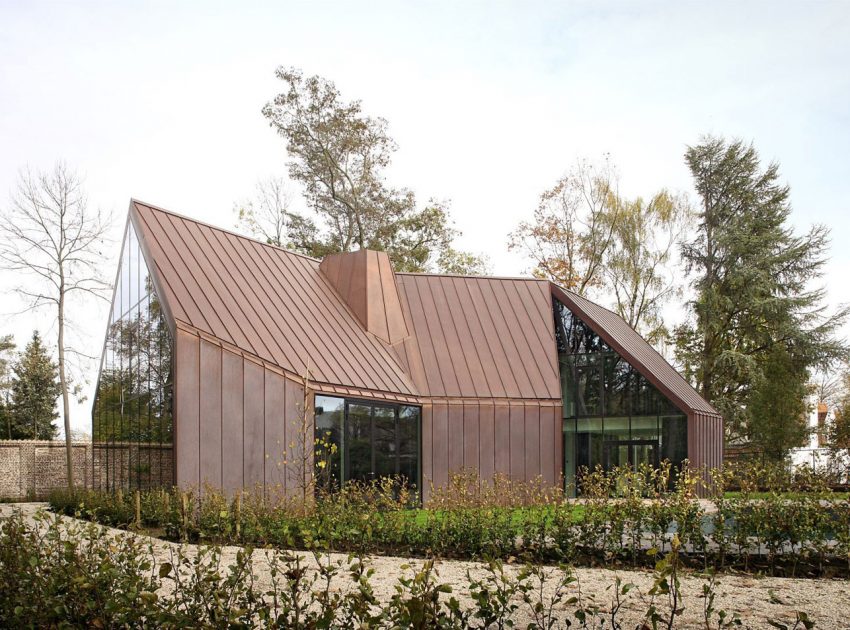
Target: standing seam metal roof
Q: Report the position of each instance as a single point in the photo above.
(470, 337)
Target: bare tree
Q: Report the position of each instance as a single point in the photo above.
(574, 228)
(48, 234)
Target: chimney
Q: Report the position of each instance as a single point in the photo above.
(365, 281)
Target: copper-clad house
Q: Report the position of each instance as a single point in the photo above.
(213, 337)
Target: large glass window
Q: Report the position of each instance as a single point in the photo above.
(363, 440)
(613, 416)
(131, 418)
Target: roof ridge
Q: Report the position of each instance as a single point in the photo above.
(223, 230)
(472, 276)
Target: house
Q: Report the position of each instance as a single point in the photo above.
(224, 355)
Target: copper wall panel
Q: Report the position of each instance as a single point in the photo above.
(427, 449)
(210, 414)
(440, 444)
(517, 442)
(551, 443)
(186, 409)
(502, 426)
(231, 421)
(275, 434)
(532, 442)
(455, 438)
(292, 418)
(253, 446)
(487, 441)
(471, 436)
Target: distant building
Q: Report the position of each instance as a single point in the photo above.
(211, 335)
(815, 453)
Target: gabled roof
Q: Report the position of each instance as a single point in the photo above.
(617, 333)
(266, 301)
(455, 337)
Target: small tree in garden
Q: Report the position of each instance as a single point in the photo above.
(48, 233)
(298, 458)
(35, 388)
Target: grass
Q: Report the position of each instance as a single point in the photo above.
(835, 496)
(518, 514)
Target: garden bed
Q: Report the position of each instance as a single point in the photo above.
(756, 600)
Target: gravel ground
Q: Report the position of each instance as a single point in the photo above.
(755, 600)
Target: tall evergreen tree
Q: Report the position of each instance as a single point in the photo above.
(753, 282)
(7, 347)
(35, 389)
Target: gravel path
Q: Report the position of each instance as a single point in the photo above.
(756, 600)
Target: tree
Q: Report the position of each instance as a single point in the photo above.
(777, 407)
(49, 234)
(591, 240)
(339, 155)
(638, 266)
(7, 346)
(269, 217)
(573, 228)
(35, 389)
(752, 279)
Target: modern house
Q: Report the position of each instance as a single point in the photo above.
(221, 350)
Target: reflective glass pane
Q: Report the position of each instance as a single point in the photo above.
(329, 418)
(408, 440)
(617, 373)
(133, 398)
(358, 447)
(674, 438)
(384, 441)
(599, 389)
(645, 428)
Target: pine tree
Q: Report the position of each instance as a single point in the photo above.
(35, 389)
(7, 347)
(753, 286)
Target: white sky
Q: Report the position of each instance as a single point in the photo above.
(489, 103)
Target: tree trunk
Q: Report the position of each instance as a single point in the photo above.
(66, 406)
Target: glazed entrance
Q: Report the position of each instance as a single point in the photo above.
(612, 415)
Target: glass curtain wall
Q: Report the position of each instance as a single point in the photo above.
(362, 440)
(132, 425)
(613, 416)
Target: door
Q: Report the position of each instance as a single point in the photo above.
(631, 453)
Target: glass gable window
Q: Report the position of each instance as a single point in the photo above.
(360, 440)
(132, 423)
(613, 416)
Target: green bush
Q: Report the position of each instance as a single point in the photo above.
(623, 515)
(63, 574)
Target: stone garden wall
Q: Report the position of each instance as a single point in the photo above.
(30, 469)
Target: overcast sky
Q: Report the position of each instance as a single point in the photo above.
(489, 103)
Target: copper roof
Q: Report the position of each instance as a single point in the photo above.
(357, 326)
(480, 337)
(265, 300)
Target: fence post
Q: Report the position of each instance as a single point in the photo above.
(138, 501)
